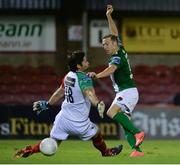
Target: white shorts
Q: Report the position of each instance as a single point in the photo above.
(127, 99)
(63, 127)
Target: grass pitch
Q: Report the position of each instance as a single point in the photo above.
(79, 152)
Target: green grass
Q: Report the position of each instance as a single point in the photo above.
(79, 152)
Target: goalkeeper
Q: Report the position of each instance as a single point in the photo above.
(74, 115)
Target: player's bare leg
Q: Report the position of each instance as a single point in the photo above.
(99, 143)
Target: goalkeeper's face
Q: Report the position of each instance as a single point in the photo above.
(84, 64)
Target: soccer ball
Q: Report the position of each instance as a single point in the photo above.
(48, 146)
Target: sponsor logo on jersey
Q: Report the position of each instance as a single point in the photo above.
(86, 79)
(119, 98)
(116, 60)
(69, 81)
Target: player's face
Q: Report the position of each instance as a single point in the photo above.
(85, 64)
(109, 46)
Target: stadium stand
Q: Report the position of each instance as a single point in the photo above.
(25, 84)
(6, 70)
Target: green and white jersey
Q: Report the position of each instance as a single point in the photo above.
(122, 78)
(76, 106)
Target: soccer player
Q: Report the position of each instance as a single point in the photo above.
(73, 118)
(122, 79)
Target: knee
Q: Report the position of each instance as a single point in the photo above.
(109, 114)
(113, 111)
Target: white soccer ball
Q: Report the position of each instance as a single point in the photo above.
(48, 146)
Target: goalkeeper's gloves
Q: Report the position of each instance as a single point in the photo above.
(101, 108)
(40, 106)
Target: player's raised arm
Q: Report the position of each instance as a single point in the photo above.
(112, 26)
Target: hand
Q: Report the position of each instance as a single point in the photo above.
(101, 108)
(40, 106)
(109, 10)
(91, 74)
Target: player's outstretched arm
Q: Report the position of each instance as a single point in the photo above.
(43, 105)
(106, 72)
(112, 26)
(56, 96)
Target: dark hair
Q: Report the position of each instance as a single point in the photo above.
(75, 58)
(113, 37)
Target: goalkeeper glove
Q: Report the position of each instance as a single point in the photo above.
(40, 106)
(101, 108)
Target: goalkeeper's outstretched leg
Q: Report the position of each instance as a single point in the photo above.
(27, 151)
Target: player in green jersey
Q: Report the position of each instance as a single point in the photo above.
(122, 79)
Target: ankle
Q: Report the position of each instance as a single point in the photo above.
(107, 152)
(36, 148)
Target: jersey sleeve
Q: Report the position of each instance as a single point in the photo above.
(84, 81)
(115, 60)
